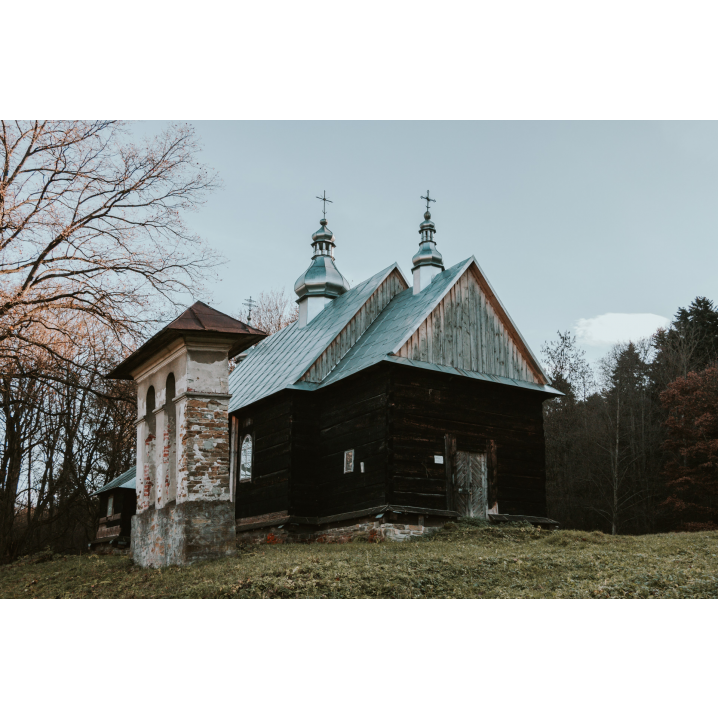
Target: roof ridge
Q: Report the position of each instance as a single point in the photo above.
(196, 315)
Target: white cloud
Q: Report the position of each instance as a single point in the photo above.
(609, 329)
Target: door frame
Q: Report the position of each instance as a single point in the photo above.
(492, 472)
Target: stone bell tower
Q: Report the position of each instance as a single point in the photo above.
(185, 501)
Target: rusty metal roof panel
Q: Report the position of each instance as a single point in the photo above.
(201, 317)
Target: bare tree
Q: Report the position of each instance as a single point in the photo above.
(273, 311)
(65, 431)
(93, 247)
(92, 225)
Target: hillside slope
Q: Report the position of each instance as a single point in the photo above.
(461, 561)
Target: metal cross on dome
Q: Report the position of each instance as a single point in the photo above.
(428, 199)
(325, 200)
(251, 304)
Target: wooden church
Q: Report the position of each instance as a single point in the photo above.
(387, 407)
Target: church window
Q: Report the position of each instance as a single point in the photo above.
(245, 462)
(349, 461)
(110, 505)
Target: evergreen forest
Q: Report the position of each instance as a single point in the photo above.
(632, 447)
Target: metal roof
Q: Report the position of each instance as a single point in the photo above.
(403, 316)
(199, 318)
(280, 361)
(123, 481)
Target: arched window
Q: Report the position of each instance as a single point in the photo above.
(149, 493)
(150, 409)
(245, 460)
(170, 488)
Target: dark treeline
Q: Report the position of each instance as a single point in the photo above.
(65, 432)
(633, 446)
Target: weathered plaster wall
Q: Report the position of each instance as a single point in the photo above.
(185, 458)
(179, 534)
(152, 464)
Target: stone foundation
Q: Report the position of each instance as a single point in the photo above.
(106, 549)
(371, 531)
(180, 534)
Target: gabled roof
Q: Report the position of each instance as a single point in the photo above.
(281, 360)
(197, 319)
(123, 481)
(395, 324)
(403, 315)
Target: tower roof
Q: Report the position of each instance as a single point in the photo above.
(199, 319)
(322, 278)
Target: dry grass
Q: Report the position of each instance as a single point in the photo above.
(461, 561)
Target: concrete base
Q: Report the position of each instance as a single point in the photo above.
(180, 534)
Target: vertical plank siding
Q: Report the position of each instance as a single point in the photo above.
(362, 320)
(465, 332)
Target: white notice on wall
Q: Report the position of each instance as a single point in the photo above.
(438, 459)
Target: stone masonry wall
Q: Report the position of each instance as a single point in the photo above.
(372, 531)
(203, 472)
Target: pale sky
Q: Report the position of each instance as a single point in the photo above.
(605, 228)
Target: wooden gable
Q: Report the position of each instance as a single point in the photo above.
(469, 329)
(393, 284)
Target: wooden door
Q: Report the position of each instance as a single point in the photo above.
(470, 479)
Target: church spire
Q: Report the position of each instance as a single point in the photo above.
(322, 282)
(428, 261)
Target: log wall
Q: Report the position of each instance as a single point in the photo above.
(353, 414)
(426, 406)
(270, 424)
(396, 419)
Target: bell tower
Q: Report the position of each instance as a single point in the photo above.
(185, 501)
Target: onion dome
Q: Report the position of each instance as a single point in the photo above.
(322, 278)
(428, 254)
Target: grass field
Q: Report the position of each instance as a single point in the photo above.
(461, 561)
